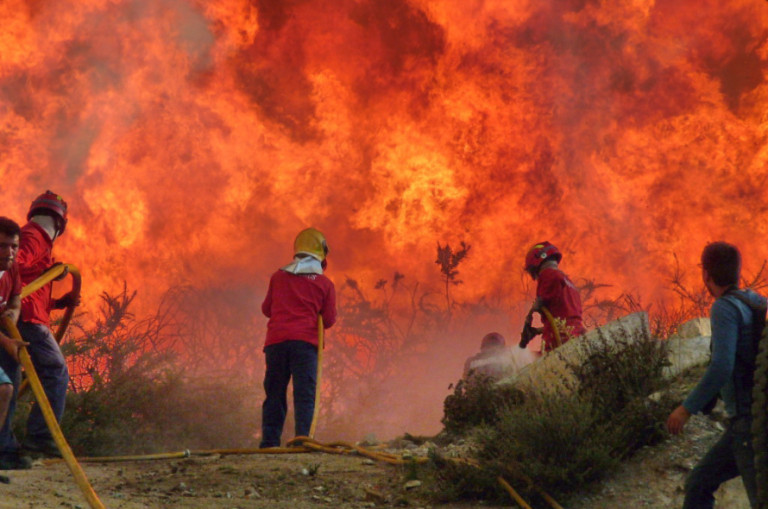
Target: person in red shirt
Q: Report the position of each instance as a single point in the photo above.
(47, 221)
(557, 293)
(10, 306)
(298, 293)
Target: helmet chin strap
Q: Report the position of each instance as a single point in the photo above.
(48, 224)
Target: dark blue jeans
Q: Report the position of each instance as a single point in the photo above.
(730, 457)
(52, 369)
(8, 442)
(286, 360)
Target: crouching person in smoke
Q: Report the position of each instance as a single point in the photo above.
(494, 360)
(298, 294)
(737, 316)
(556, 293)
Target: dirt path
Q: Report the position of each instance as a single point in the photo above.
(653, 478)
(247, 481)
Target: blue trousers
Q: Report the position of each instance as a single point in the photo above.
(52, 369)
(286, 360)
(730, 457)
(8, 442)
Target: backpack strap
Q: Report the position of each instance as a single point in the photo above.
(758, 313)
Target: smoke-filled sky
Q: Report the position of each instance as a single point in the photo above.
(193, 139)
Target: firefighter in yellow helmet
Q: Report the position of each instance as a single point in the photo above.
(297, 294)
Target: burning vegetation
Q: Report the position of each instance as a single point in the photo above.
(193, 139)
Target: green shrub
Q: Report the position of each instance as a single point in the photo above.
(561, 441)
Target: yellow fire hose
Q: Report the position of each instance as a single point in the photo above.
(555, 329)
(311, 445)
(50, 419)
(307, 444)
(320, 345)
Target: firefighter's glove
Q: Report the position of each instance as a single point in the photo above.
(68, 300)
(529, 332)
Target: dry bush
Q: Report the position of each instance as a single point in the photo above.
(476, 400)
(131, 393)
(565, 440)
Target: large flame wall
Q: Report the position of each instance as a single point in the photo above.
(192, 139)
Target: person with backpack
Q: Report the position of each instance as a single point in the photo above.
(298, 294)
(737, 318)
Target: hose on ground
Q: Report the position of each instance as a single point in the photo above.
(306, 445)
(50, 420)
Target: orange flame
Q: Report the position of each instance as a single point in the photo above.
(193, 139)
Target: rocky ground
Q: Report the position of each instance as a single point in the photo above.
(652, 478)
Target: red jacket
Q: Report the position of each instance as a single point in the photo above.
(10, 286)
(562, 299)
(292, 304)
(35, 255)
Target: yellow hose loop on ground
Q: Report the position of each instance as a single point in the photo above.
(45, 278)
(311, 445)
(320, 345)
(50, 419)
(513, 493)
(184, 454)
(553, 324)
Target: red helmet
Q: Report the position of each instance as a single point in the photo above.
(51, 204)
(540, 253)
(492, 339)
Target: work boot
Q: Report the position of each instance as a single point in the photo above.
(44, 447)
(14, 461)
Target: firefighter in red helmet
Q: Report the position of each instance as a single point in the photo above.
(47, 220)
(557, 293)
(297, 294)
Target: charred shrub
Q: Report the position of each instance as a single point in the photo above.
(476, 400)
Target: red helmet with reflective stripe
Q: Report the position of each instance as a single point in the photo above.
(51, 204)
(540, 253)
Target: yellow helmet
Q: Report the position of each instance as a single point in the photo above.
(312, 243)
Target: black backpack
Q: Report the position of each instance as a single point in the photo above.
(748, 361)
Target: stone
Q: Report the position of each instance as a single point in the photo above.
(694, 328)
(685, 353)
(412, 484)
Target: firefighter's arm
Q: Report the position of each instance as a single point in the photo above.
(13, 309)
(329, 308)
(12, 345)
(68, 300)
(529, 331)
